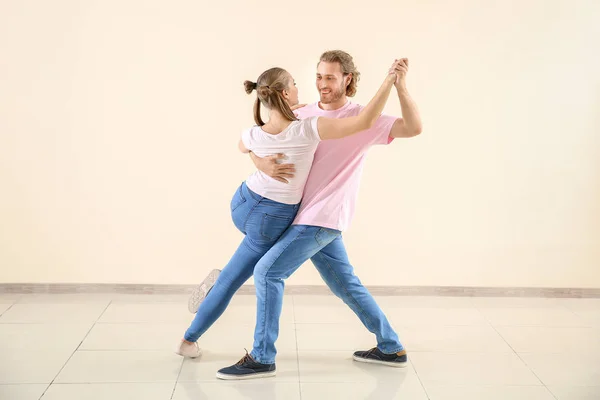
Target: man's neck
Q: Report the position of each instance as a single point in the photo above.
(335, 105)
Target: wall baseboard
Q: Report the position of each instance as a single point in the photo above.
(455, 291)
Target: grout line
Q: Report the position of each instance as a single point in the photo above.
(9, 307)
(297, 350)
(44, 392)
(77, 348)
(177, 380)
(519, 356)
(551, 393)
(419, 378)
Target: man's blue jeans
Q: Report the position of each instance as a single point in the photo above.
(325, 248)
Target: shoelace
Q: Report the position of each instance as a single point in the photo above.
(368, 353)
(247, 357)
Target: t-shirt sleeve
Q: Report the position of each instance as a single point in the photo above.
(247, 139)
(311, 130)
(382, 129)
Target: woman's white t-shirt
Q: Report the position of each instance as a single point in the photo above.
(298, 142)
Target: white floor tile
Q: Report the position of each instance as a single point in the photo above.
(424, 302)
(540, 316)
(4, 307)
(21, 392)
(317, 301)
(439, 316)
(461, 348)
(338, 366)
(53, 313)
(121, 366)
(66, 298)
(325, 314)
(589, 315)
(141, 336)
(334, 337)
(395, 389)
(581, 304)
(586, 309)
(204, 369)
(576, 392)
(147, 313)
(181, 299)
(10, 297)
(564, 369)
(450, 392)
(31, 336)
(515, 302)
(533, 339)
(482, 339)
(39, 364)
(472, 369)
(112, 391)
(260, 389)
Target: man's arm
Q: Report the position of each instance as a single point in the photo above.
(270, 166)
(410, 124)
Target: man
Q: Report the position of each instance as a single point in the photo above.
(326, 210)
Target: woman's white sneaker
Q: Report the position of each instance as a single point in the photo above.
(188, 349)
(200, 293)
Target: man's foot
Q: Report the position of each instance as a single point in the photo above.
(247, 368)
(200, 293)
(189, 349)
(376, 356)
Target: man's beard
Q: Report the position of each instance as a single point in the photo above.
(333, 96)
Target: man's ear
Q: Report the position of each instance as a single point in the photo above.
(348, 79)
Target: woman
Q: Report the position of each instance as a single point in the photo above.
(263, 208)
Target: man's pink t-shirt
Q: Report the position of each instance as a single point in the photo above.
(331, 190)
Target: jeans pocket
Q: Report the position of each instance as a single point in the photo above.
(324, 236)
(238, 199)
(273, 226)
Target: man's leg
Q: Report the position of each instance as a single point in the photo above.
(335, 269)
(295, 248)
(297, 245)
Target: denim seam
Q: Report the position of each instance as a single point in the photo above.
(249, 213)
(362, 311)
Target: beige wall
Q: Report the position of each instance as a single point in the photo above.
(119, 122)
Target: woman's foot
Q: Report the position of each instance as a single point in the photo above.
(189, 349)
(200, 293)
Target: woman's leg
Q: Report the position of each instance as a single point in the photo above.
(237, 271)
(263, 221)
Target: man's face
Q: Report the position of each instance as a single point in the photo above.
(331, 82)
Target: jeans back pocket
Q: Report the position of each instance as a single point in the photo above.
(273, 226)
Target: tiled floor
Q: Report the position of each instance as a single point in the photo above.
(121, 347)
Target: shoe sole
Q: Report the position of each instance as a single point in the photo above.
(200, 292)
(245, 377)
(185, 356)
(386, 363)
